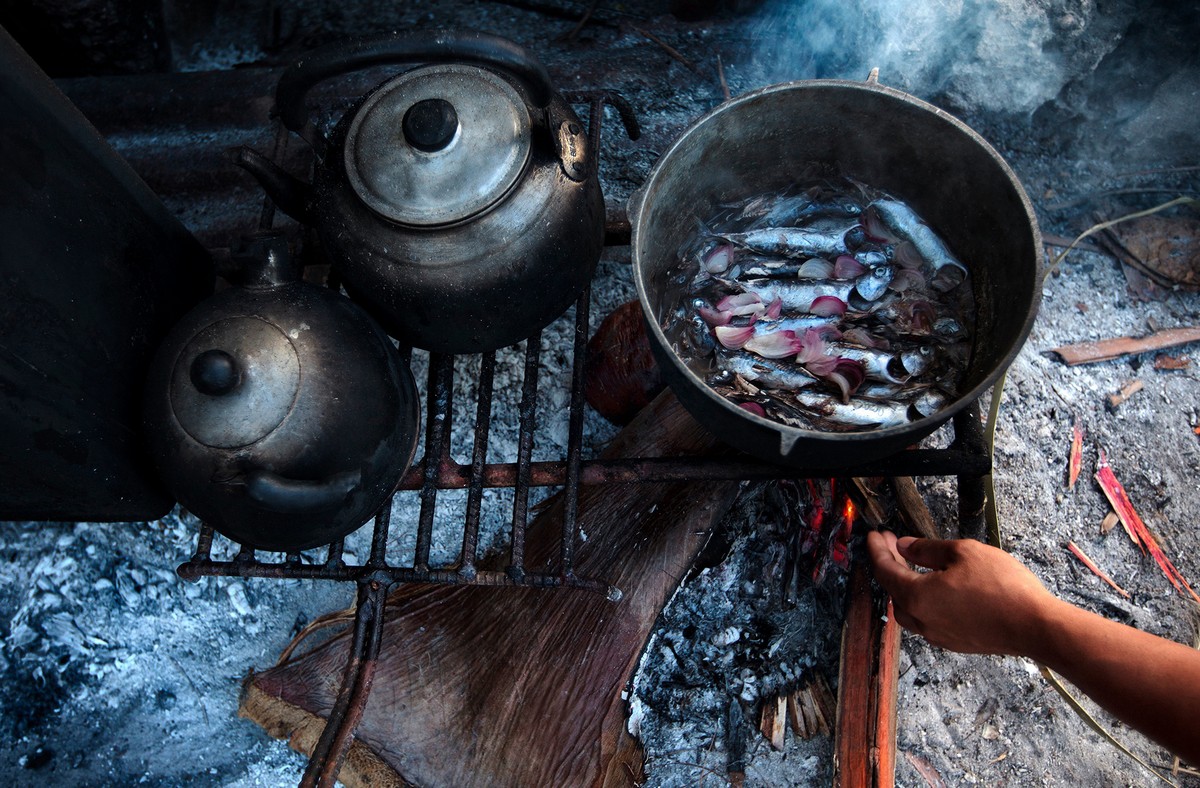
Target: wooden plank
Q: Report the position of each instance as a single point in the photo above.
(865, 745)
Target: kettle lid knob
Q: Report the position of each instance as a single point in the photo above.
(215, 372)
(430, 124)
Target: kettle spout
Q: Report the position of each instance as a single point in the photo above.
(289, 193)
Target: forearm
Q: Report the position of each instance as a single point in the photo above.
(1149, 683)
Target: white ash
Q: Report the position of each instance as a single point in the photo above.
(726, 637)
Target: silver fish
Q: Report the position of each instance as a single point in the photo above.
(798, 295)
(879, 365)
(799, 323)
(764, 372)
(896, 222)
(873, 284)
(790, 241)
(929, 402)
(791, 210)
(873, 257)
(857, 412)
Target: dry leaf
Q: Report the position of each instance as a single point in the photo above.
(1075, 462)
(1095, 569)
(1134, 526)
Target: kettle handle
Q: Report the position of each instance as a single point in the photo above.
(437, 46)
(294, 496)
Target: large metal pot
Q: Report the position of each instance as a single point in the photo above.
(768, 140)
(277, 411)
(457, 200)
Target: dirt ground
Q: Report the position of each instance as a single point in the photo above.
(115, 672)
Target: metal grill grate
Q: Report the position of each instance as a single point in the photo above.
(966, 457)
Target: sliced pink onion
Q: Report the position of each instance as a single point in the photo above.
(775, 308)
(734, 337)
(735, 300)
(846, 267)
(877, 231)
(718, 260)
(847, 375)
(908, 257)
(753, 407)
(816, 268)
(774, 344)
(828, 306)
(741, 304)
(714, 317)
(812, 353)
(907, 279)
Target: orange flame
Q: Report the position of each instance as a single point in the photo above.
(848, 512)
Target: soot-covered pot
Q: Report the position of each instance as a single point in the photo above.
(277, 411)
(457, 200)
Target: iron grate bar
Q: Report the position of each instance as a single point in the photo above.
(528, 420)
(483, 417)
(437, 434)
(575, 434)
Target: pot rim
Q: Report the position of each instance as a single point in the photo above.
(790, 435)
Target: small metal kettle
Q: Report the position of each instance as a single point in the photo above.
(458, 200)
(277, 411)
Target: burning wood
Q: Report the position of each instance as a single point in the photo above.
(911, 507)
(773, 722)
(1108, 349)
(1134, 526)
(1075, 551)
(865, 744)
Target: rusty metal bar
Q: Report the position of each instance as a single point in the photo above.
(575, 432)
(437, 438)
(483, 420)
(972, 493)
(393, 574)
(528, 419)
(915, 462)
(367, 620)
(383, 521)
(334, 557)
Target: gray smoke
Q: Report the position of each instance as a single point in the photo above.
(998, 56)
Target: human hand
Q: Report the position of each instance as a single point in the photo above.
(977, 599)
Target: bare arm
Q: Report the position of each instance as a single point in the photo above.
(981, 600)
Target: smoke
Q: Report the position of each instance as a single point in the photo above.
(998, 56)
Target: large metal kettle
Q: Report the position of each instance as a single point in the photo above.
(277, 411)
(458, 200)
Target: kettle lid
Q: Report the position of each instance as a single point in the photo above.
(234, 382)
(438, 145)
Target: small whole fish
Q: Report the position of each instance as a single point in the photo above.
(763, 372)
(857, 412)
(874, 284)
(790, 241)
(797, 323)
(877, 364)
(795, 209)
(896, 222)
(797, 295)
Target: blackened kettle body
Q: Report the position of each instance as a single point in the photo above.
(458, 200)
(277, 411)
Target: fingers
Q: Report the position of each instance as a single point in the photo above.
(929, 553)
(891, 570)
